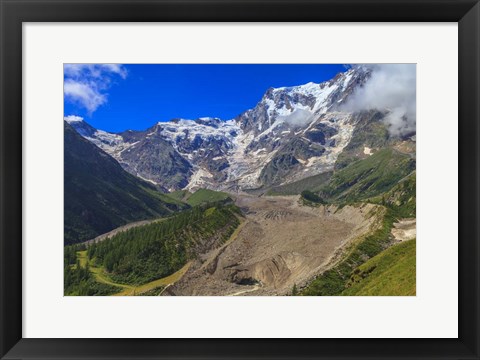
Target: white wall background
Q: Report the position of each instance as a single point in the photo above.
(432, 313)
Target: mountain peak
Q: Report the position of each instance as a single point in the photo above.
(308, 101)
(292, 132)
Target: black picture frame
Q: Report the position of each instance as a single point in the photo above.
(15, 12)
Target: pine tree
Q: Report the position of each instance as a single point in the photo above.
(294, 290)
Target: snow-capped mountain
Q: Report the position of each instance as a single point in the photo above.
(292, 133)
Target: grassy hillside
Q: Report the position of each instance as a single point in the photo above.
(100, 196)
(199, 197)
(402, 198)
(312, 183)
(179, 195)
(145, 253)
(204, 196)
(390, 273)
(363, 179)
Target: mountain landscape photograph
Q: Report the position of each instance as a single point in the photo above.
(239, 179)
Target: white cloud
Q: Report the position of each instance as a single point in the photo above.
(72, 118)
(94, 70)
(87, 84)
(391, 87)
(84, 94)
(298, 118)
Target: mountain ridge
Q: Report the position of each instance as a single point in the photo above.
(291, 133)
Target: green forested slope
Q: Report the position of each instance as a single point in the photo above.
(180, 195)
(78, 280)
(152, 251)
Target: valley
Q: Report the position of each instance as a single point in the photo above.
(280, 243)
(300, 195)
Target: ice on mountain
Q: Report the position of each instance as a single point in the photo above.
(248, 146)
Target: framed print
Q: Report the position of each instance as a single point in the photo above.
(239, 179)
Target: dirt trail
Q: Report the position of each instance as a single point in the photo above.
(115, 231)
(166, 282)
(130, 290)
(254, 288)
(280, 243)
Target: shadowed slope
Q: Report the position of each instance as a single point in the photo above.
(100, 195)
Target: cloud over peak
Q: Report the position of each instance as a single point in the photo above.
(391, 87)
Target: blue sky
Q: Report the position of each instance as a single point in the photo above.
(115, 97)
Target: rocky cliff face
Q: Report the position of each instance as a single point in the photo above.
(292, 133)
(298, 106)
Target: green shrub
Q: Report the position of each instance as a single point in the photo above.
(310, 196)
